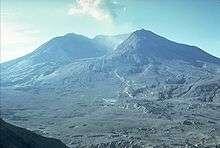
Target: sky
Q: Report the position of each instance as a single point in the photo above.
(26, 24)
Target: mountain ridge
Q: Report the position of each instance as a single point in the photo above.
(143, 43)
(140, 35)
(69, 46)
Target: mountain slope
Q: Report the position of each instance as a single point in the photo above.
(62, 50)
(16, 137)
(142, 45)
(48, 57)
(143, 52)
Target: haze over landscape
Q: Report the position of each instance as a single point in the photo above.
(110, 74)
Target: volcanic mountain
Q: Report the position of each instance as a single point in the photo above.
(57, 52)
(147, 92)
(143, 45)
(62, 50)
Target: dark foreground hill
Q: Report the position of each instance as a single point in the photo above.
(16, 137)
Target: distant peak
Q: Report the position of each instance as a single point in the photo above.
(74, 35)
(146, 35)
(144, 44)
(144, 32)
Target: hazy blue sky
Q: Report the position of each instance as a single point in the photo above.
(26, 24)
